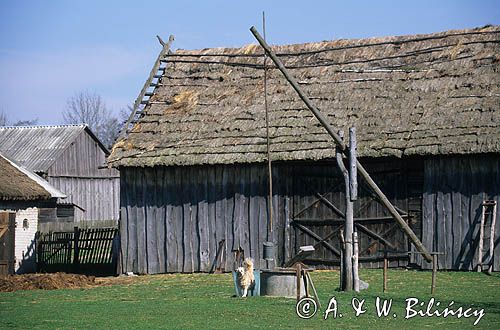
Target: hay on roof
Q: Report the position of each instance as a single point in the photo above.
(434, 94)
(15, 185)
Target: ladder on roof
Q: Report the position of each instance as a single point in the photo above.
(487, 236)
(148, 88)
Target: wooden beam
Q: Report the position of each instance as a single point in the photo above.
(327, 222)
(330, 205)
(375, 235)
(376, 258)
(340, 144)
(317, 237)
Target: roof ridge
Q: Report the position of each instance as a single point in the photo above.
(390, 39)
(44, 126)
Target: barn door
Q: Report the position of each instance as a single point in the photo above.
(318, 216)
(7, 232)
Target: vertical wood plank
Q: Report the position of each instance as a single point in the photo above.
(150, 220)
(186, 222)
(178, 219)
(159, 187)
(229, 200)
(133, 235)
(428, 212)
(253, 215)
(203, 221)
(193, 202)
(169, 184)
(212, 219)
(220, 203)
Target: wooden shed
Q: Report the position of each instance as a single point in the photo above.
(22, 195)
(72, 159)
(426, 109)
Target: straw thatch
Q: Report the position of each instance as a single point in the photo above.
(435, 94)
(18, 183)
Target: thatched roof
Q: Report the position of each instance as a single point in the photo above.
(38, 147)
(18, 183)
(434, 94)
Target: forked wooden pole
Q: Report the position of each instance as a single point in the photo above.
(361, 170)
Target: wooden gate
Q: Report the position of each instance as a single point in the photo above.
(318, 206)
(7, 242)
(88, 251)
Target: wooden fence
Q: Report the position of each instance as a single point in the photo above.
(89, 251)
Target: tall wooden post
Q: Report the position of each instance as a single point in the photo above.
(349, 225)
(353, 195)
(353, 167)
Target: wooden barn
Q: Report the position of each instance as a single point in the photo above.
(72, 159)
(22, 195)
(193, 164)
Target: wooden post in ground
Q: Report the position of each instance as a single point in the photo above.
(76, 250)
(492, 237)
(353, 195)
(386, 262)
(355, 264)
(341, 266)
(347, 272)
(298, 271)
(434, 273)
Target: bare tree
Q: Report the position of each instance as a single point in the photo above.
(90, 109)
(3, 118)
(28, 122)
(4, 121)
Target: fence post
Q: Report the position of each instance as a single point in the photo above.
(39, 251)
(76, 250)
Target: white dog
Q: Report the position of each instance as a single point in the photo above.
(245, 276)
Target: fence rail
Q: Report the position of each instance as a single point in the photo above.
(92, 251)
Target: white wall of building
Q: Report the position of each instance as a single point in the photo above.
(26, 228)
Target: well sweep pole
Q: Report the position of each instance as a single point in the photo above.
(361, 170)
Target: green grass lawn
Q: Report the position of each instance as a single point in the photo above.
(206, 301)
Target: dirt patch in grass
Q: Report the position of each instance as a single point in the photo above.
(45, 281)
(54, 281)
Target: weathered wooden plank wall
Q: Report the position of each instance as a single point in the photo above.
(79, 173)
(173, 218)
(454, 188)
(98, 197)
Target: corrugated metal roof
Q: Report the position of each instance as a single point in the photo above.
(37, 147)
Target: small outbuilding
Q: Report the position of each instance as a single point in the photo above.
(72, 159)
(427, 113)
(22, 195)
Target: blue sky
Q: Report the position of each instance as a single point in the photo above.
(50, 50)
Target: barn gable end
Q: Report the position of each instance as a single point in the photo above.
(71, 158)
